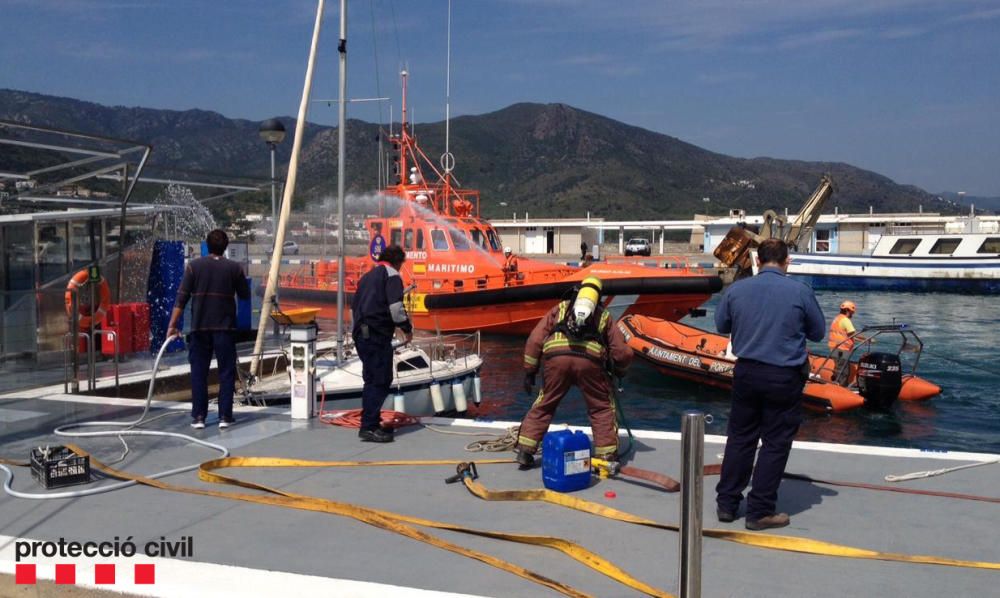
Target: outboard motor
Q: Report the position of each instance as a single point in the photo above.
(880, 378)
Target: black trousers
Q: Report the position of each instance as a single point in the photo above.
(376, 370)
(766, 405)
(201, 345)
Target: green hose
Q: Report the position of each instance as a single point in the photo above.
(622, 423)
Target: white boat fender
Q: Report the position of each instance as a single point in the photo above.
(477, 390)
(399, 402)
(436, 398)
(458, 395)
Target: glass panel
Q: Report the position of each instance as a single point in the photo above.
(408, 238)
(458, 240)
(395, 236)
(420, 239)
(494, 239)
(904, 246)
(823, 241)
(991, 245)
(52, 251)
(478, 238)
(80, 246)
(439, 240)
(945, 246)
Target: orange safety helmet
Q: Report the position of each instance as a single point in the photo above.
(849, 305)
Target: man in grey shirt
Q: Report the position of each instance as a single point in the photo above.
(210, 282)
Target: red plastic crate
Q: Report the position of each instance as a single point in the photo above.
(119, 319)
(140, 326)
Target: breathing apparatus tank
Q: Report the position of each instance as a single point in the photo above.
(880, 379)
(586, 300)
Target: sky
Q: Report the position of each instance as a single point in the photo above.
(907, 88)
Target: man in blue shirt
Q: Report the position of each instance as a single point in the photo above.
(769, 316)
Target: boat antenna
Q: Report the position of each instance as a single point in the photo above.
(447, 159)
(289, 192)
(341, 161)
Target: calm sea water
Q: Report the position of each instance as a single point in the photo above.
(961, 354)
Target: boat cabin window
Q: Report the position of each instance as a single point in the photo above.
(439, 240)
(396, 237)
(822, 240)
(945, 246)
(408, 238)
(478, 238)
(377, 228)
(904, 247)
(413, 363)
(494, 239)
(420, 238)
(990, 245)
(458, 240)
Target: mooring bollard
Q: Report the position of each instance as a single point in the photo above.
(692, 460)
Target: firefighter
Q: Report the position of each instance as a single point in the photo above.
(580, 345)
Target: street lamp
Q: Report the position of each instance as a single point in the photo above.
(273, 133)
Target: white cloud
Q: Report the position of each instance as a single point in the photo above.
(725, 78)
(707, 24)
(818, 37)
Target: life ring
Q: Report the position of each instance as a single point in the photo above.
(87, 312)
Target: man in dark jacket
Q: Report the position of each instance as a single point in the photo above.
(210, 282)
(770, 317)
(377, 310)
(577, 340)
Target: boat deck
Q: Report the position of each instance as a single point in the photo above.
(250, 549)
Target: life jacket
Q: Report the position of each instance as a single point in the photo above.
(568, 339)
(838, 336)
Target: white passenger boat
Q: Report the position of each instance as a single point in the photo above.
(945, 262)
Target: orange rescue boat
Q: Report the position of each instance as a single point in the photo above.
(458, 276)
(694, 354)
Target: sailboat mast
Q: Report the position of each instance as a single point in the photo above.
(286, 198)
(403, 135)
(341, 161)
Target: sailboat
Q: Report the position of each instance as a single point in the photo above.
(433, 375)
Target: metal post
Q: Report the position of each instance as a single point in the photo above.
(274, 207)
(91, 357)
(341, 161)
(274, 223)
(74, 323)
(692, 460)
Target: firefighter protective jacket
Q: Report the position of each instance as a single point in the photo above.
(605, 343)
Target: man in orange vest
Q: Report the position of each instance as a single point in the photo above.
(842, 335)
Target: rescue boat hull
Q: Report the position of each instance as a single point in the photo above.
(693, 354)
(516, 309)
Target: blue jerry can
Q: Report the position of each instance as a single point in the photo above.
(566, 461)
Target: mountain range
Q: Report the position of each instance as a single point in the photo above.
(546, 159)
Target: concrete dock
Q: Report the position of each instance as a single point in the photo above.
(261, 550)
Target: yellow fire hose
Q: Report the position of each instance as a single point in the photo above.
(403, 524)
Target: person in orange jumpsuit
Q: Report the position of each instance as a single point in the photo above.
(579, 344)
